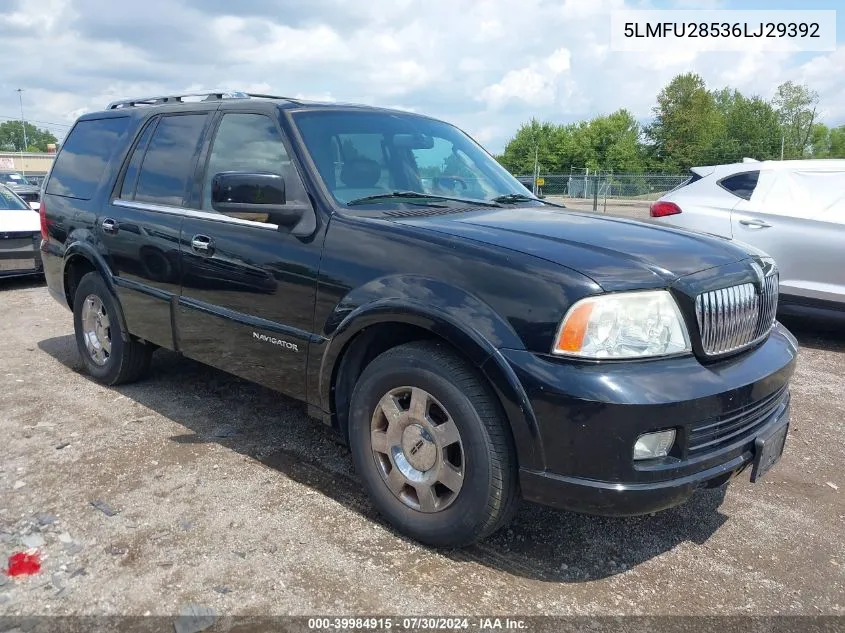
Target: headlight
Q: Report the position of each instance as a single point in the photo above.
(623, 325)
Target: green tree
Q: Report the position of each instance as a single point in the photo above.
(796, 108)
(819, 144)
(613, 143)
(751, 128)
(11, 137)
(837, 142)
(687, 122)
(533, 138)
(610, 142)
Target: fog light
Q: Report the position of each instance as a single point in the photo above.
(654, 445)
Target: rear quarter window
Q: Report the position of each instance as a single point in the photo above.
(741, 185)
(693, 177)
(84, 157)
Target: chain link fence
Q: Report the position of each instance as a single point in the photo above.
(583, 183)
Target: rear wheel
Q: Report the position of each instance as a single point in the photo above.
(110, 355)
(431, 446)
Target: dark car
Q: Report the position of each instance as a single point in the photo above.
(472, 343)
(35, 180)
(29, 192)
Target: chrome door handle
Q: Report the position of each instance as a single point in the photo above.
(758, 224)
(202, 243)
(109, 226)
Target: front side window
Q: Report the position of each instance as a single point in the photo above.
(169, 161)
(361, 153)
(251, 143)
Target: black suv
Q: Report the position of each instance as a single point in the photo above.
(472, 343)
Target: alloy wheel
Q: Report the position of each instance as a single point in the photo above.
(417, 449)
(96, 330)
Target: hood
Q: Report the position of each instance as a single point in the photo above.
(19, 221)
(616, 253)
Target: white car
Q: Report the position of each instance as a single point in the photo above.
(20, 236)
(792, 210)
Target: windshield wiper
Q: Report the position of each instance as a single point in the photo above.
(513, 198)
(421, 196)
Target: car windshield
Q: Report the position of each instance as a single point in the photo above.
(13, 179)
(360, 154)
(10, 201)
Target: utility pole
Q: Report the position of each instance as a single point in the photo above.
(23, 128)
(782, 140)
(536, 173)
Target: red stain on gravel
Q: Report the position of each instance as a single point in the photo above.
(23, 564)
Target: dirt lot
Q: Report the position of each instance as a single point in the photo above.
(626, 208)
(227, 495)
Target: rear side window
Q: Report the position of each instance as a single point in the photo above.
(170, 159)
(130, 178)
(84, 157)
(741, 185)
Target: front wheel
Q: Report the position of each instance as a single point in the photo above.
(432, 447)
(110, 355)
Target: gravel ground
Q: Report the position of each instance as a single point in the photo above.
(224, 494)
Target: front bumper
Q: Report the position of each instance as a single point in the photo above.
(590, 414)
(20, 254)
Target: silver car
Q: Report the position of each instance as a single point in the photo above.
(792, 210)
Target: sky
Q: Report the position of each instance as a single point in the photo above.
(485, 65)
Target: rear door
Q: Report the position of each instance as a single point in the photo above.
(248, 288)
(140, 226)
(798, 217)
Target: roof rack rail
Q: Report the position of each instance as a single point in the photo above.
(212, 95)
(263, 96)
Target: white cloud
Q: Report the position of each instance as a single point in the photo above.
(487, 67)
(536, 84)
(559, 61)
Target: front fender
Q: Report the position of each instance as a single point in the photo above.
(451, 314)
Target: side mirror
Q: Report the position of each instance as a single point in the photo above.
(259, 194)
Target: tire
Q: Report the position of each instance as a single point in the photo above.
(391, 444)
(96, 311)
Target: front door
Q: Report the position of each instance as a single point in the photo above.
(248, 287)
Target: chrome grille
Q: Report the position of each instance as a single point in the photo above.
(736, 317)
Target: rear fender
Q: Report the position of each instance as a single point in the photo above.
(84, 250)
